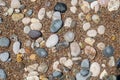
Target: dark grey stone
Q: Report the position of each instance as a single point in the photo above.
(34, 34)
(108, 51)
(41, 52)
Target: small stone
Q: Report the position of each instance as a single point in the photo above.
(75, 49)
(103, 74)
(62, 60)
(15, 4)
(90, 1)
(112, 77)
(55, 66)
(108, 51)
(2, 3)
(32, 0)
(4, 56)
(57, 74)
(111, 62)
(63, 44)
(22, 50)
(43, 68)
(34, 34)
(95, 6)
(2, 74)
(80, 77)
(14, 37)
(85, 63)
(113, 5)
(36, 26)
(103, 65)
(89, 41)
(118, 63)
(68, 63)
(26, 20)
(4, 42)
(56, 15)
(52, 40)
(31, 67)
(96, 18)
(48, 3)
(73, 9)
(33, 73)
(74, 2)
(56, 25)
(41, 52)
(41, 13)
(95, 69)
(86, 26)
(10, 11)
(101, 29)
(85, 6)
(1, 20)
(29, 12)
(33, 56)
(69, 36)
(61, 7)
(32, 78)
(92, 33)
(16, 47)
(68, 22)
(17, 16)
(100, 45)
(49, 14)
(84, 72)
(34, 20)
(76, 58)
(27, 29)
(81, 16)
(19, 57)
(17, 10)
(88, 17)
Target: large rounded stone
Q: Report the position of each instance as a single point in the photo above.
(4, 42)
(108, 51)
(41, 52)
(69, 36)
(34, 34)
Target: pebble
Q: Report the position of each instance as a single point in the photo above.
(56, 25)
(34, 20)
(103, 3)
(36, 26)
(47, 4)
(52, 40)
(56, 15)
(4, 56)
(34, 34)
(26, 20)
(100, 45)
(22, 50)
(113, 5)
(16, 47)
(63, 44)
(61, 7)
(41, 52)
(69, 36)
(27, 29)
(17, 10)
(74, 2)
(76, 58)
(41, 13)
(32, 0)
(68, 63)
(27, 43)
(86, 26)
(101, 29)
(10, 11)
(84, 72)
(80, 77)
(118, 63)
(90, 41)
(75, 49)
(43, 68)
(90, 1)
(108, 51)
(85, 63)
(17, 16)
(81, 16)
(2, 3)
(49, 14)
(62, 60)
(29, 12)
(73, 9)
(33, 57)
(92, 33)
(4, 42)
(85, 6)
(96, 18)
(95, 69)
(95, 6)
(90, 52)
(1, 20)
(32, 78)
(68, 22)
(103, 74)
(3, 74)
(15, 4)
(57, 74)
(112, 77)
(14, 37)
(55, 66)
(88, 17)
(31, 67)
(33, 73)
(73, 24)
(111, 62)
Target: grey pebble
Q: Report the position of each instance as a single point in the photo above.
(1, 20)
(80, 77)
(85, 63)
(34, 34)
(2, 74)
(108, 51)
(4, 56)
(14, 37)
(4, 42)
(29, 12)
(57, 74)
(63, 44)
(84, 72)
(43, 68)
(41, 52)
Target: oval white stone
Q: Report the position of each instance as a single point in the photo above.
(15, 4)
(26, 20)
(16, 47)
(74, 2)
(41, 13)
(68, 22)
(69, 36)
(36, 26)
(56, 15)
(86, 26)
(91, 33)
(101, 29)
(34, 20)
(73, 9)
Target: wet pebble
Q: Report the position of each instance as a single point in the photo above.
(15, 4)
(4, 56)
(57, 74)
(92, 33)
(36, 26)
(69, 36)
(41, 52)
(56, 15)
(34, 34)
(27, 29)
(43, 68)
(4, 42)
(85, 63)
(16, 47)
(101, 29)
(108, 51)
(29, 12)
(3, 75)
(41, 13)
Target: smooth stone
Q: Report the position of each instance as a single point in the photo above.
(95, 69)
(118, 63)
(17, 10)
(56, 15)
(73, 9)
(73, 24)
(55, 66)
(62, 60)
(90, 1)
(111, 62)
(56, 25)
(3, 75)
(4, 42)
(61, 7)
(63, 44)
(27, 29)
(101, 29)
(34, 20)
(57, 74)
(10, 11)
(34, 34)
(26, 20)
(103, 74)
(14, 37)
(41, 13)
(86, 26)
(29, 12)
(17, 16)
(84, 72)
(31, 67)
(33, 73)
(36, 26)
(68, 63)
(113, 5)
(43, 68)
(15, 4)
(89, 41)
(95, 6)
(49, 14)
(16, 47)
(4, 56)
(1, 20)
(69, 36)
(41, 52)
(92, 33)
(103, 3)
(32, 78)
(2, 3)
(75, 49)
(85, 63)
(85, 6)
(96, 18)
(80, 77)
(100, 45)
(68, 22)
(81, 16)
(74, 2)
(52, 40)
(108, 51)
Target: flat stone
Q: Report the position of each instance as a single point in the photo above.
(43, 68)
(16, 47)
(17, 16)
(27, 29)
(69, 36)
(4, 42)
(63, 44)
(15, 4)
(41, 13)
(108, 51)
(92, 33)
(4, 56)
(68, 22)
(57, 74)
(41, 52)
(26, 20)
(85, 63)
(86, 26)
(36, 26)
(101, 29)
(34, 34)
(2, 74)
(56, 15)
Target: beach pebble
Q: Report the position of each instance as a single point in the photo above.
(85, 63)
(16, 47)
(85, 6)
(3, 74)
(2, 3)
(57, 74)
(111, 62)
(43, 68)
(92, 33)
(75, 49)
(108, 51)
(29, 12)
(41, 52)
(62, 60)
(103, 74)
(101, 29)
(17, 16)
(41, 13)
(90, 41)
(68, 63)
(52, 40)
(118, 63)
(81, 16)
(56, 15)
(80, 77)
(113, 5)
(1, 20)
(27, 29)
(95, 6)
(100, 45)
(61, 7)
(26, 20)
(4, 42)
(36, 26)
(55, 66)
(56, 25)
(34, 20)
(34, 34)
(96, 18)
(86, 26)
(31, 67)
(4, 56)
(90, 1)
(95, 69)
(74, 2)
(32, 0)
(84, 72)
(103, 3)
(33, 73)
(73, 9)
(68, 22)
(15, 4)
(69, 36)
(32, 78)
(10, 11)
(49, 14)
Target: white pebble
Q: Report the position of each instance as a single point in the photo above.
(101, 29)
(113, 5)
(22, 50)
(73, 9)
(56, 15)
(36, 26)
(16, 47)
(86, 26)
(69, 36)
(68, 22)
(49, 14)
(31, 67)
(92, 33)
(100, 45)
(111, 62)
(32, 78)
(68, 63)
(96, 18)
(26, 20)
(10, 11)
(15, 4)
(55, 66)
(34, 20)
(103, 74)
(62, 60)
(89, 41)
(74, 2)
(27, 29)
(41, 13)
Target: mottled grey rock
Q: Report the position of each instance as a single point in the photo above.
(4, 56)
(4, 42)
(69, 36)
(29, 12)
(34, 34)
(43, 68)
(41, 52)
(108, 51)
(85, 63)
(2, 74)
(57, 74)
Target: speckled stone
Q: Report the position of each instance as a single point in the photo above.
(4, 42)
(34, 34)
(57, 74)
(3, 74)
(108, 51)
(4, 56)
(41, 52)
